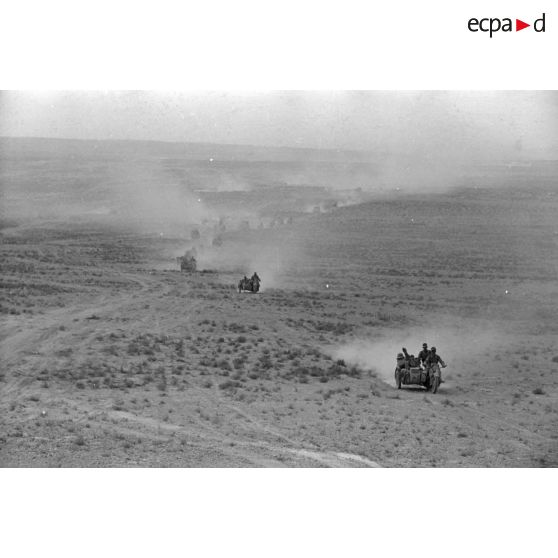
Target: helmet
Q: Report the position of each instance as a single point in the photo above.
(424, 346)
(433, 349)
(400, 355)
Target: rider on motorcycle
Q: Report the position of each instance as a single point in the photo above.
(431, 362)
(424, 353)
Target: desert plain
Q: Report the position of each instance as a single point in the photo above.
(113, 357)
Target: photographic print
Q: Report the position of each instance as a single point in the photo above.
(279, 279)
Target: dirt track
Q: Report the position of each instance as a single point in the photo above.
(36, 339)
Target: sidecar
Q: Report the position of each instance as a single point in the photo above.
(412, 376)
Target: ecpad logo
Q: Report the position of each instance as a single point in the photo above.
(493, 25)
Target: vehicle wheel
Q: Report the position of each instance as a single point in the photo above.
(398, 379)
(435, 384)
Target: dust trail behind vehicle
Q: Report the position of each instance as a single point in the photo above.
(456, 343)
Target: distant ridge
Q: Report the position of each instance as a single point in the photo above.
(12, 146)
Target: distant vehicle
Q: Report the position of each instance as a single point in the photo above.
(187, 262)
(251, 285)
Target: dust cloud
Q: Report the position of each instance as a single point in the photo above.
(272, 258)
(418, 141)
(470, 342)
(144, 193)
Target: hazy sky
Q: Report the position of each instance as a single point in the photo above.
(522, 123)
